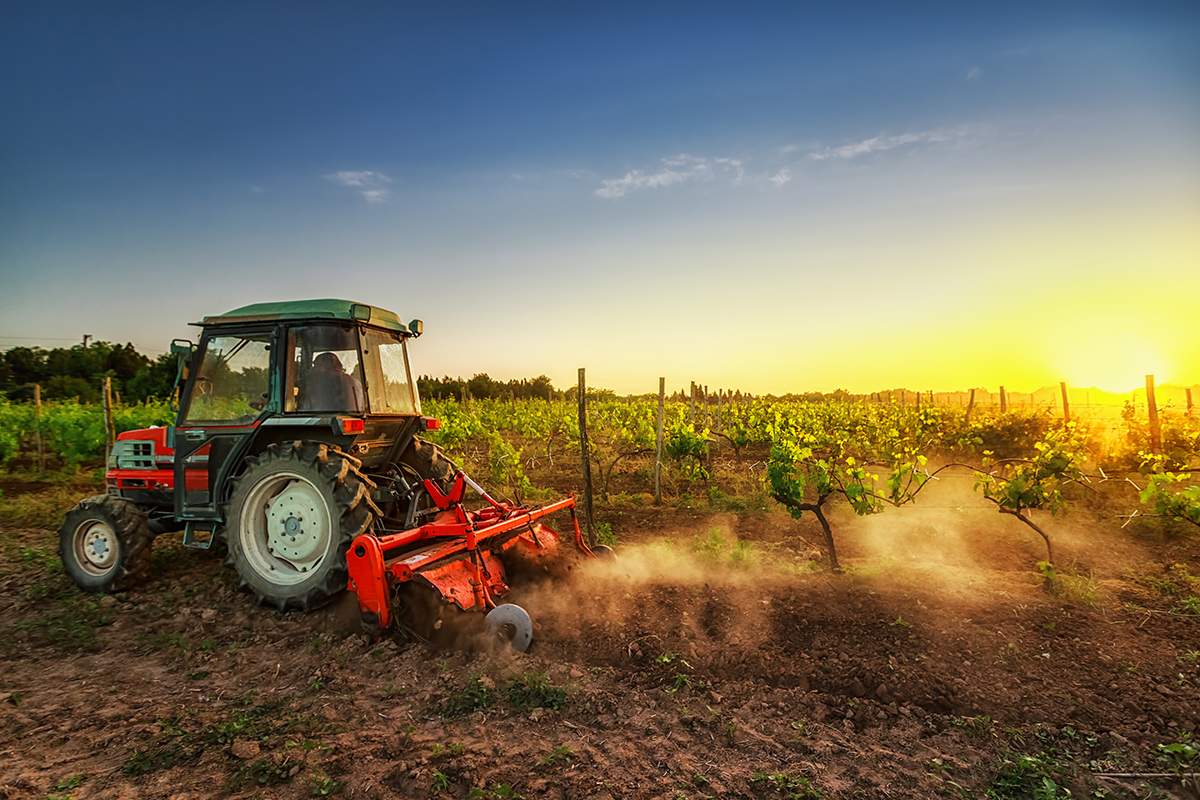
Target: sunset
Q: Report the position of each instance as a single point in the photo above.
(622, 401)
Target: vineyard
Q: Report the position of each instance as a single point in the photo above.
(812, 599)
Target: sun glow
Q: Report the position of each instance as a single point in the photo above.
(1114, 366)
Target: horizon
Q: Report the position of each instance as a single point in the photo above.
(767, 198)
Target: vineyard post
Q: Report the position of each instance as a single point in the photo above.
(1152, 408)
(37, 425)
(717, 440)
(1003, 401)
(970, 405)
(658, 444)
(918, 402)
(587, 461)
(1189, 401)
(110, 434)
(705, 420)
(692, 404)
(1062, 385)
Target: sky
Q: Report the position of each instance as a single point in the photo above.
(771, 197)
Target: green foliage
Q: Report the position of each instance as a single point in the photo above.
(787, 786)
(1022, 776)
(1165, 499)
(1037, 483)
(533, 690)
(475, 696)
(558, 757)
(1181, 758)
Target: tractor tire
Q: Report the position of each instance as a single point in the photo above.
(430, 463)
(290, 519)
(105, 544)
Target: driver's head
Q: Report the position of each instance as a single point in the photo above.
(328, 362)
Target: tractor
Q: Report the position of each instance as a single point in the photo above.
(297, 447)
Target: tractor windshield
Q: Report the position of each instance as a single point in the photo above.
(389, 384)
(231, 383)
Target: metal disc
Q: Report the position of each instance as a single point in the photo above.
(510, 624)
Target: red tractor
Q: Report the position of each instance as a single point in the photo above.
(296, 446)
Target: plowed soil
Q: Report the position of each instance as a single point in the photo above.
(707, 660)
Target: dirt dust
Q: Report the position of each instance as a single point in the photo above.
(716, 656)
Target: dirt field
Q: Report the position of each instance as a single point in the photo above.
(708, 660)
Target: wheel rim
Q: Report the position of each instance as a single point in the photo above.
(96, 547)
(286, 528)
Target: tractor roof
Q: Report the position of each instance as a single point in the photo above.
(327, 309)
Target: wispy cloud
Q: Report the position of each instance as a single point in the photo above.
(372, 185)
(974, 74)
(776, 167)
(676, 169)
(878, 143)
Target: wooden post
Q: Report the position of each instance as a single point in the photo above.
(1189, 401)
(586, 459)
(110, 434)
(658, 444)
(918, 402)
(1152, 408)
(1062, 385)
(717, 438)
(37, 425)
(705, 419)
(970, 405)
(692, 404)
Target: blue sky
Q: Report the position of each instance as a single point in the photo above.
(774, 197)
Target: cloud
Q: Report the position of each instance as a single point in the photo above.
(877, 144)
(780, 178)
(974, 74)
(675, 169)
(370, 184)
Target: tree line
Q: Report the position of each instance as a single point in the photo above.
(78, 372)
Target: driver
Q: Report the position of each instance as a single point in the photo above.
(329, 388)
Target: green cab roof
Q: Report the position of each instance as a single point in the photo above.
(346, 310)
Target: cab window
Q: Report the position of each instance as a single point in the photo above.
(232, 382)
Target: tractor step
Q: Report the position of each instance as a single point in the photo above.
(203, 541)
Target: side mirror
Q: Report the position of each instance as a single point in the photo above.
(182, 347)
(416, 328)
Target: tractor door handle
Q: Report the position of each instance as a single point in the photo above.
(194, 436)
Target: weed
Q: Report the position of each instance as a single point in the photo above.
(497, 791)
(323, 785)
(441, 782)
(198, 675)
(1189, 605)
(1027, 776)
(314, 644)
(559, 756)
(973, 726)
(788, 786)
(605, 535)
(475, 696)
(392, 691)
(901, 623)
(1180, 758)
(527, 692)
(73, 782)
(440, 750)
(263, 772)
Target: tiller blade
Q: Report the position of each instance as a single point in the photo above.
(457, 552)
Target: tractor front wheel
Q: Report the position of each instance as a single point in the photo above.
(105, 544)
(291, 518)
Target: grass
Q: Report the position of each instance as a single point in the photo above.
(477, 695)
(780, 784)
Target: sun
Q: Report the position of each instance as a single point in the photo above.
(1117, 364)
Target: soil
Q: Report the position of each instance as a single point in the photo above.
(708, 659)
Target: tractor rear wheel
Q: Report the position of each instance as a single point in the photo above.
(291, 518)
(105, 544)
